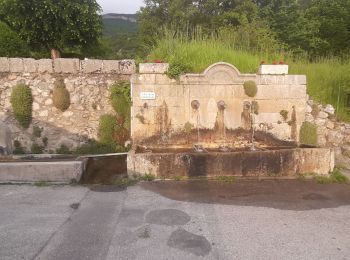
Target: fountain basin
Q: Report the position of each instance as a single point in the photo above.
(285, 162)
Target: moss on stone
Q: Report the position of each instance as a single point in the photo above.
(308, 134)
(250, 88)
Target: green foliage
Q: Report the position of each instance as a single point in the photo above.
(308, 134)
(37, 131)
(94, 147)
(178, 178)
(120, 98)
(21, 101)
(18, 148)
(225, 179)
(148, 177)
(36, 149)
(250, 88)
(63, 150)
(334, 177)
(284, 114)
(61, 97)
(177, 68)
(188, 127)
(107, 129)
(54, 24)
(11, 45)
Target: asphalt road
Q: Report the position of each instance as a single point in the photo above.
(176, 220)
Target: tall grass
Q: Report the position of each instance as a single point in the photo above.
(328, 79)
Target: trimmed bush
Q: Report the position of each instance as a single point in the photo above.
(37, 149)
(107, 128)
(250, 88)
(63, 150)
(61, 97)
(37, 131)
(308, 134)
(22, 101)
(18, 147)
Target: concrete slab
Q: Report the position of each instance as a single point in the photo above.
(57, 172)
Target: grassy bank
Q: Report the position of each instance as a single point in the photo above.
(328, 79)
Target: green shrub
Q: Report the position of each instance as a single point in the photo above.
(22, 101)
(120, 99)
(148, 177)
(63, 150)
(18, 148)
(37, 131)
(107, 128)
(225, 179)
(308, 134)
(61, 97)
(250, 88)
(178, 68)
(37, 149)
(284, 114)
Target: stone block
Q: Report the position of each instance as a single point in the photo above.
(16, 65)
(66, 65)
(273, 69)
(91, 66)
(30, 65)
(45, 65)
(110, 66)
(4, 65)
(127, 67)
(153, 68)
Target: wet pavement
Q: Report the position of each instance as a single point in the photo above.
(287, 219)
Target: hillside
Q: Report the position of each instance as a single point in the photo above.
(115, 24)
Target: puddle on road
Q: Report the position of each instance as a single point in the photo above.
(189, 242)
(168, 217)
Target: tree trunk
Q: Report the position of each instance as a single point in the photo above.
(55, 54)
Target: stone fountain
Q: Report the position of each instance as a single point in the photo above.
(207, 125)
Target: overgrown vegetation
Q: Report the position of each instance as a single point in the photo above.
(37, 149)
(284, 114)
(335, 177)
(107, 129)
(37, 131)
(11, 45)
(308, 134)
(225, 179)
(250, 88)
(61, 96)
(22, 101)
(18, 148)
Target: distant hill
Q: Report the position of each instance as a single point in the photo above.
(115, 24)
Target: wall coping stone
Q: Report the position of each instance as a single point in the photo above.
(67, 66)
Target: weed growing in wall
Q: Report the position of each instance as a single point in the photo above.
(107, 129)
(18, 147)
(37, 149)
(284, 114)
(120, 99)
(22, 101)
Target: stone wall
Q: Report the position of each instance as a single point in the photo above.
(88, 83)
(163, 108)
(330, 131)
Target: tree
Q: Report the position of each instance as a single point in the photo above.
(11, 45)
(54, 25)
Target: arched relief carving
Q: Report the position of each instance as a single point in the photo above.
(219, 73)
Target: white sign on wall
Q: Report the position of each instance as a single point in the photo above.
(147, 95)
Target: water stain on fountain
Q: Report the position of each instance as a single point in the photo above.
(164, 123)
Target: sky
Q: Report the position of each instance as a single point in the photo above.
(120, 6)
